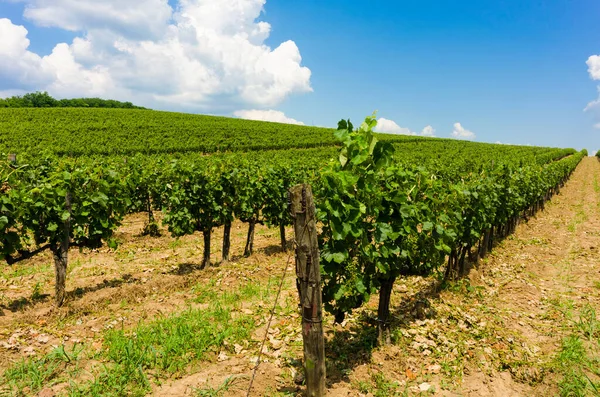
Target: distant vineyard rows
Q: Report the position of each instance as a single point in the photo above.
(100, 132)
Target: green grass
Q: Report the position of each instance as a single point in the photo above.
(18, 270)
(578, 361)
(218, 391)
(576, 365)
(580, 217)
(381, 386)
(132, 360)
(36, 373)
(163, 348)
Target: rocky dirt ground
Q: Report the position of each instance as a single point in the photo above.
(523, 323)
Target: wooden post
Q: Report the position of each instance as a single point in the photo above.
(308, 281)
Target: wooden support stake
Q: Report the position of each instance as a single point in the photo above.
(308, 281)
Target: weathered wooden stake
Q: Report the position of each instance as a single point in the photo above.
(308, 274)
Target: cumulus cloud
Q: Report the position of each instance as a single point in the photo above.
(390, 127)
(461, 133)
(593, 104)
(266, 115)
(428, 131)
(593, 63)
(19, 68)
(207, 55)
(137, 19)
(387, 126)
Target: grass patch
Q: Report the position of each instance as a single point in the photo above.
(32, 375)
(16, 271)
(380, 386)
(132, 360)
(578, 361)
(218, 391)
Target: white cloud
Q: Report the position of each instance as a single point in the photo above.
(461, 133)
(136, 19)
(205, 55)
(390, 127)
(428, 131)
(19, 68)
(597, 126)
(593, 104)
(387, 126)
(593, 63)
(266, 115)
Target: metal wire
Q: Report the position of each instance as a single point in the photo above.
(295, 243)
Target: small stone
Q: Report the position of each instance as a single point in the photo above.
(46, 393)
(29, 350)
(222, 357)
(423, 387)
(434, 369)
(276, 344)
(43, 338)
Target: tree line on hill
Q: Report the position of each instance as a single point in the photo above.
(44, 100)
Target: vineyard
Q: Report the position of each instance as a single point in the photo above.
(390, 210)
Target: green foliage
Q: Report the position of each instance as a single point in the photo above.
(349, 202)
(277, 181)
(98, 202)
(384, 218)
(10, 229)
(86, 132)
(44, 100)
(193, 202)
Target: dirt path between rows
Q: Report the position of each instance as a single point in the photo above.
(552, 258)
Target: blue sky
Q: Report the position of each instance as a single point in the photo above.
(509, 71)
